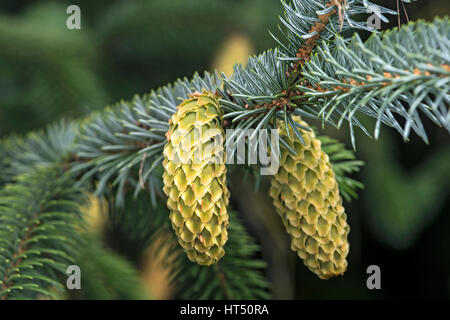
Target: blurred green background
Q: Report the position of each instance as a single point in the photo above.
(401, 221)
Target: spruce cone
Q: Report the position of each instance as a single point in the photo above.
(195, 178)
(306, 196)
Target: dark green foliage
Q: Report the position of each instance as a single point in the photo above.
(5, 162)
(118, 152)
(131, 229)
(239, 274)
(39, 233)
(189, 44)
(246, 89)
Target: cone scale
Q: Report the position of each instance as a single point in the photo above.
(305, 194)
(195, 179)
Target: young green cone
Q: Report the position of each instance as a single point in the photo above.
(306, 196)
(195, 178)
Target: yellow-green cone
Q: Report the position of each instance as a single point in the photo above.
(305, 194)
(195, 178)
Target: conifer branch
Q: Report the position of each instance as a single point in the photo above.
(399, 74)
(39, 232)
